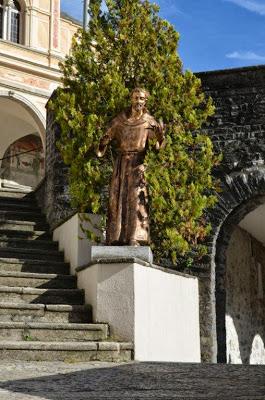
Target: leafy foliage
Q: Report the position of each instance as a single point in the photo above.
(126, 46)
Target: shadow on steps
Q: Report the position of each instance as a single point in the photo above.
(137, 381)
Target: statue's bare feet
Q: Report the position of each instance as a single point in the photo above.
(134, 242)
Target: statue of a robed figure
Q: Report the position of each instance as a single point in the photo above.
(130, 131)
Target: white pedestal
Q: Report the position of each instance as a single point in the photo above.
(156, 309)
(73, 240)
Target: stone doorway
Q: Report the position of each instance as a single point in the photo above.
(240, 286)
(23, 164)
(22, 144)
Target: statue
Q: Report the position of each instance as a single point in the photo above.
(127, 222)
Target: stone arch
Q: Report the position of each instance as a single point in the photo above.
(30, 107)
(22, 166)
(25, 3)
(241, 193)
(19, 118)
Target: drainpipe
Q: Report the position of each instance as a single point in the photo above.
(85, 14)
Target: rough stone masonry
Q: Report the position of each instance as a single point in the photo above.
(238, 132)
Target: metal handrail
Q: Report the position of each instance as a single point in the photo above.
(18, 154)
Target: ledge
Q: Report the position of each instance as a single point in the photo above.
(133, 260)
(252, 68)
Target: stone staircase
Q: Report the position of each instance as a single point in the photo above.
(42, 313)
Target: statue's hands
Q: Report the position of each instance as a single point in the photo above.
(161, 128)
(103, 144)
(100, 151)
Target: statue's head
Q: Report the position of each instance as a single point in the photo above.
(139, 98)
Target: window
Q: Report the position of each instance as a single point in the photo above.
(14, 21)
(1, 18)
(10, 20)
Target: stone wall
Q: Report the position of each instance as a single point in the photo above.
(53, 195)
(238, 126)
(237, 130)
(245, 302)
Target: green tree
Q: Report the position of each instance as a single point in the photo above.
(125, 46)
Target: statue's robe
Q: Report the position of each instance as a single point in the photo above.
(127, 221)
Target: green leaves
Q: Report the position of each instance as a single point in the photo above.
(126, 46)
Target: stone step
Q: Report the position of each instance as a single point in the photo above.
(66, 351)
(41, 296)
(54, 313)
(34, 266)
(21, 215)
(19, 243)
(33, 280)
(31, 254)
(16, 195)
(47, 332)
(6, 205)
(17, 225)
(26, 235)
(17, 199)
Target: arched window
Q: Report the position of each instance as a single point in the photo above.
(10, 20)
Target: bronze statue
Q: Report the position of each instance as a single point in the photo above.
(127, 222)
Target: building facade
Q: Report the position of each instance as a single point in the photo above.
(34, 37)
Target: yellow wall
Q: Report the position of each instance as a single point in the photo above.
(29, 71)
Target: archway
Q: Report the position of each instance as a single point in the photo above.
(240, 270)
(23, 164)
(22, 143)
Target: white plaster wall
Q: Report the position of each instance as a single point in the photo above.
(67, 237)
(73, 241)
(158, 311)
(257, 355)
(232, 342)
(109, 288)
(167, 309)
(254, 223)
(88, 280)
(115, 299)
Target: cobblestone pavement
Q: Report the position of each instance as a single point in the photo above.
(94, 380)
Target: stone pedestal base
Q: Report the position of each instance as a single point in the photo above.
(144, 253)
(156, 309)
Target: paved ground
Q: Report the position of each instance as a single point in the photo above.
(54, 381)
